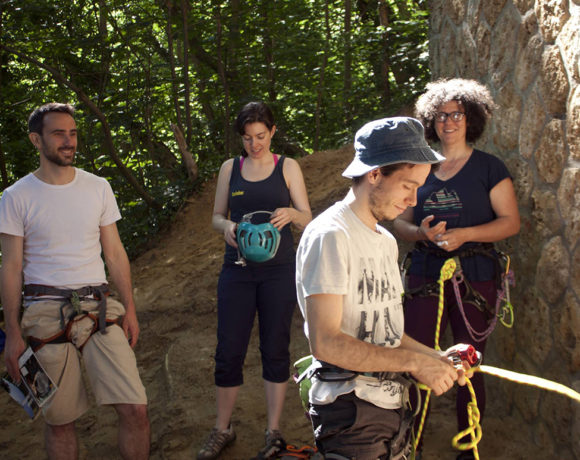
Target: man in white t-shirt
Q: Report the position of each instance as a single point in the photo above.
(350, 294)
(54, 223)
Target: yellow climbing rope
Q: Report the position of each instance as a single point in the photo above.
(446, 273)
(474, 429)
(530, 380)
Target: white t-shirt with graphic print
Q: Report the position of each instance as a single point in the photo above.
(61, 228)
(338, 254)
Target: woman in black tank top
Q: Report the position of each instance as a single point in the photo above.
(258, 181)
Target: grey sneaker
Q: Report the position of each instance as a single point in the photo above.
(215, 443)
(274, 445)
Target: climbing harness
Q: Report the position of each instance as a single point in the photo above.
(401, 446)
(461, 352)
(73, 298)
(256, 242)
(503, 309)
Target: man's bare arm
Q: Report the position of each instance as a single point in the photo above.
(328, 343)
(11, 290)
(120, 273)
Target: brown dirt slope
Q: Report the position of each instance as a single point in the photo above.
(175, 289)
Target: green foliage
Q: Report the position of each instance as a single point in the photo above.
(127, 58)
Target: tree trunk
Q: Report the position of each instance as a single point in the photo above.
(171, 56)
(187, 157)
(186, 83)
(347, 62)
(385, 61)
(222, 75)
(321, 81)
(3, 170)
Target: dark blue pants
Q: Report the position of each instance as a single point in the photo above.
(421, 319)
(270, 292)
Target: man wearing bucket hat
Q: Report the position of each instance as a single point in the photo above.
(350, 294)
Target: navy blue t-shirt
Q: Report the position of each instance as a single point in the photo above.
(462, 201)
(264, 195)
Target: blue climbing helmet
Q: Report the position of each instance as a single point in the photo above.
(256, 242)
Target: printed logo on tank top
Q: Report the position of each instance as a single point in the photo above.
(237, 193)
(376, 293)
(443, 204)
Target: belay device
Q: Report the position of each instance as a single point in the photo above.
(256, 242)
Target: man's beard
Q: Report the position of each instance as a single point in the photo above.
(53, 157)
(375, 205)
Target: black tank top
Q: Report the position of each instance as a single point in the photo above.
(263, 195)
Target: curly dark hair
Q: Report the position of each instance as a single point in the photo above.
(472, 95)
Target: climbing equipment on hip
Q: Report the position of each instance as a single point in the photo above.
(400, 446)
(502, 310)
(256, 242)
(69, 321)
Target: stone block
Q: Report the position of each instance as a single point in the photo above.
(567, 321)
(552, 15)
(523, 179)
(483, 40)
(568, 200)
(569, 43)
(553, 272)
(533, 330)
(554, 85)
(526, 398)
(448, 52)
(576, 422)
(573, 124)
(533, 120)
(544, 440)
(492, 9)
(524, 6)
(473, 16)
(547, 220)
(456, 9)
(575, 274)
(550, 155)
(466, 53)
(556, 409)
(529, 52)
(503, 50)
(436, 16)
(507, 118)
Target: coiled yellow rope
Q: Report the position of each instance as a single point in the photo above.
(473, 415)
(446, 273)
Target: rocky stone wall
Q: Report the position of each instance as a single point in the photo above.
(527, 52)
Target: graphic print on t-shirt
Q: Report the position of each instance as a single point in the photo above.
(376, 297)
(444, 205)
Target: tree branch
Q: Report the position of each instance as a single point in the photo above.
(108, 138)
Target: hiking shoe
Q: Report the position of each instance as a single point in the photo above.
(274, 445)
(215, 443)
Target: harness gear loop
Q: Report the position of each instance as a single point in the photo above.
(73, 297)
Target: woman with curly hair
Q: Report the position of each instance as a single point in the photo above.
(464, 207)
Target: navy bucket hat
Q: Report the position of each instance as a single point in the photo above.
(389, 141)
